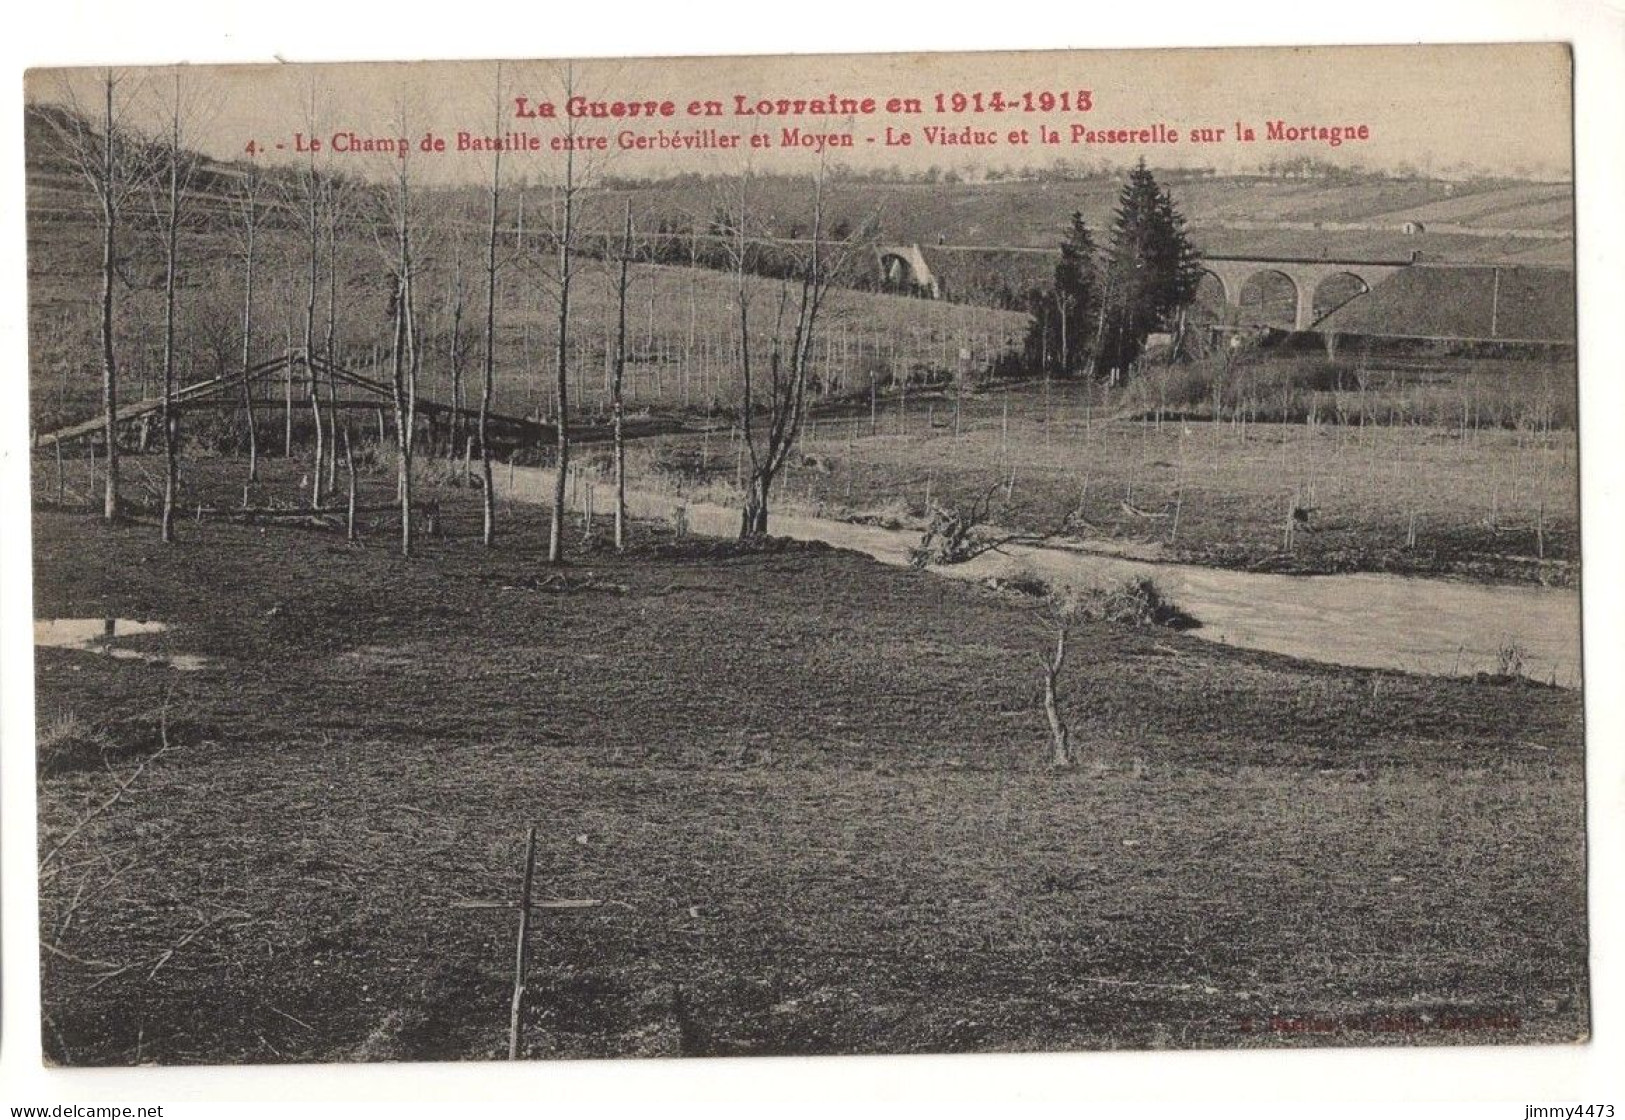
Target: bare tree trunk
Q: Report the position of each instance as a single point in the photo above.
(561, 420)
(618, 401)
(349, 468)
(287, 375)
(788, 362)
(109, 202)
(330, 329)
(753, 517)
(487, 494)
(172, 215)
(251, 223)
(403, 451)
(312, 187)
(1100, 328)
(1060, 737)
(1066, 355)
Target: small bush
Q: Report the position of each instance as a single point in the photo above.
(1135, 602)
(1176, 387)
(66, 741)
(1023, 582)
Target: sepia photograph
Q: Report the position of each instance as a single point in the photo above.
(943, 553)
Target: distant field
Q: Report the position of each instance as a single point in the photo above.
(1036, 213)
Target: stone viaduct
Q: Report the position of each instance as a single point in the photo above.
(1305, 274)
(910, 266)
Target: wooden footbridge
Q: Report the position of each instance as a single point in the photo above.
(271, 387)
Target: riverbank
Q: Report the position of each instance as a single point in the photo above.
(1392, 496)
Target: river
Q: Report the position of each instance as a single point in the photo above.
(1371, 620)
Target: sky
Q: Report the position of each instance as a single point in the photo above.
(1502, 109)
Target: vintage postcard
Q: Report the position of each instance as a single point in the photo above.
(806, 555)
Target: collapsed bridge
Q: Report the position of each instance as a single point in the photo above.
(271, 386)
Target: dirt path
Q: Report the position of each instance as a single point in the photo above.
(1409, 623)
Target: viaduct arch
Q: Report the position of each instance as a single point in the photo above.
(904, 267)
(1307, 274)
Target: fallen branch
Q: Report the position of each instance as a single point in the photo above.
(67, 956)
(118, 794)
(290, 1018)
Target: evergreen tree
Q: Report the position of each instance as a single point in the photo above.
(1065, 315)
(1152, 271)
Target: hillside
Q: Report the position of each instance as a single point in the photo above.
(1512, 304)
(1490, 222)
(682, 337)
(1483, 221)
(682, 329)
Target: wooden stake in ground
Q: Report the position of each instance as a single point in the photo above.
(522, 951)
(349, 466)
(522, 947)
(1060, 737)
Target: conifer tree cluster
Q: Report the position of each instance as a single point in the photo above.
(1102, 307)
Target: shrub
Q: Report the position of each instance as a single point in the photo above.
(1135, 602)
(66, 741)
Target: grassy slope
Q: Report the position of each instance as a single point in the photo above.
(813, 789)
(1513, 303)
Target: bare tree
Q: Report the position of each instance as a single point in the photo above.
(104, 155)
(406, 358)
(958, 534)
(459, 298)
(246, 203)
(487, 495)
(1061, 612)
(169, 190)
(617, 399)
(780, 397)
(565, 235)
